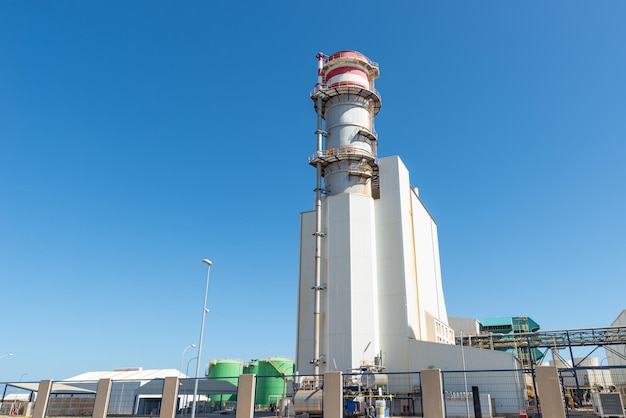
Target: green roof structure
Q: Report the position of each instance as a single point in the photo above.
(514, 325)
(509, 325)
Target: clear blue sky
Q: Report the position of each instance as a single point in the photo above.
(138, 137)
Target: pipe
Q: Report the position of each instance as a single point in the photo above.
(318, 224)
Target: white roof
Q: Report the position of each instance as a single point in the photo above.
(57, 387)
(126, 374)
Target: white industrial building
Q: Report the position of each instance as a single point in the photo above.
(75, 396)
(370, 287)
(588, 373)
(139, 392)
(616, 355)
(126, 382)
(612, 358)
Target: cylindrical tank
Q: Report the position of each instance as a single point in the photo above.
(309, 401)
(228, 371)
(272, 380)
(251, 368)
(371, 380)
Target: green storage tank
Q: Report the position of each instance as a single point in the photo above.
(272, 380)
(228, 371)
(251, 368)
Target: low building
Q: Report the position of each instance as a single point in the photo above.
(137, 391)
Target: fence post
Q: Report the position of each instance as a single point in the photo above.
(43, 395)
(478, 412)
(169, 397)
(333, 395)
(549, 392)
(103, 394)
(432, 393)
(245, 396)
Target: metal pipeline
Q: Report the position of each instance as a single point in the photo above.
(318, 223)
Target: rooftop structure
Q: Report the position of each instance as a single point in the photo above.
(515, 325)
(509, 324)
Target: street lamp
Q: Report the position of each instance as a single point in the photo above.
(6, 355)
(204, 311)
(183, 356)
(190, 360)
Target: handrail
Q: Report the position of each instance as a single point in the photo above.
(351, 54)
(341, 152)
(325, 87)
(364, 169)
(549, 339)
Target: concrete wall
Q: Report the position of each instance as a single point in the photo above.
(466, 326)
(412, 304)
(349, 302)
(399, 313)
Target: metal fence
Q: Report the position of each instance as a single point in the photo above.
(488, 393)
(14, 400)
(586, 392)
(594, 391)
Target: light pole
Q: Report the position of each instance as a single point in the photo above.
(204, 311)
(465, 377)
(6, 355)
(190, 360)
(183, 357)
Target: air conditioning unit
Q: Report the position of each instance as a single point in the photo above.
(607, 404)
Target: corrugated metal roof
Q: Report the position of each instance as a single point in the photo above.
(153, 384)
(57, 387)
(186, 386)
(503, 320)
(126, 374)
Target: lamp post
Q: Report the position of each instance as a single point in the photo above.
(183, 357)
(204, 311)
(6, 355)
(190, 360)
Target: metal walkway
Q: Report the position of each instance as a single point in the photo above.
(560, 339)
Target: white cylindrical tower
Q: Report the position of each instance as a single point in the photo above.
(349, 103)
